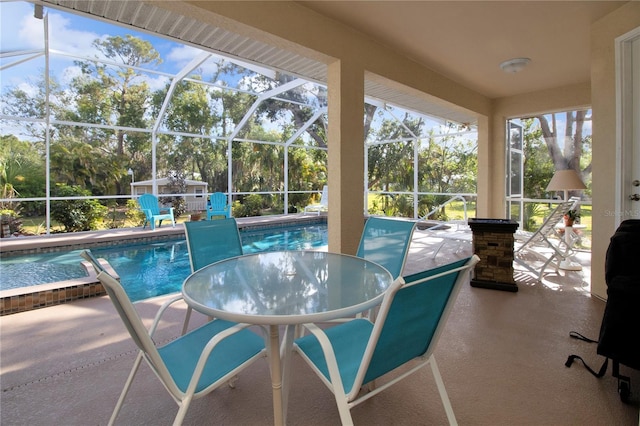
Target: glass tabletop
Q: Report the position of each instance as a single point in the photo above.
(286, 287)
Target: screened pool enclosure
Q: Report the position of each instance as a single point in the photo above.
(89, 108)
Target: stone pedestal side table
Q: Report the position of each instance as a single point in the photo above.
(493, 241)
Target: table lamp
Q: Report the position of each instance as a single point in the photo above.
(565, 180)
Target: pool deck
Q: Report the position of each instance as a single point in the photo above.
(501, 356)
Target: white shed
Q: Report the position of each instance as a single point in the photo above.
(197, 191)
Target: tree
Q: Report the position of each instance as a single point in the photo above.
(176, 184)
(391, 163)
(117, 96)
(538, 167)
(297, 105)
(190, 111)
(566, 149)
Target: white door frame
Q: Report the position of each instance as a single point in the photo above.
(627, 125)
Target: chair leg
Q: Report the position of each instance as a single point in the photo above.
(232, 382)
(343, 409)
(182, 411)
(127, 385)
(443, 392)
(187, 318)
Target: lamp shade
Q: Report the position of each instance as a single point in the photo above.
(564, 180)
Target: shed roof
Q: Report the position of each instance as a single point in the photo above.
(165, 181)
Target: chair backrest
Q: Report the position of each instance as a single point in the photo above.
(212, 240)
(126, 310)
(88, 256)
(149, 202)
(552, 220)
(411, 318)
(324, 197)
(218, 201)
(386, 242)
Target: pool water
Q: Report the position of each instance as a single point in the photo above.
(149, 269)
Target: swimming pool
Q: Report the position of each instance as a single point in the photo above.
(150, 269)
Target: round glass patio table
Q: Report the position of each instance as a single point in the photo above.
(286, 288)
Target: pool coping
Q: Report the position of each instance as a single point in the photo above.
(43, 295)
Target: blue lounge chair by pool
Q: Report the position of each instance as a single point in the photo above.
(322, 205)
(412, 315)
(217, 205)
(192, 365)
(386, 241)
(152, 212)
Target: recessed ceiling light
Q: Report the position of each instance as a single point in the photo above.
(514, 65)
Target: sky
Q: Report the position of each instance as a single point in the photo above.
(75, 34)
(20, 31)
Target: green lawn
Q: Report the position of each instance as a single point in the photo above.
(36, 225)
(455, 211)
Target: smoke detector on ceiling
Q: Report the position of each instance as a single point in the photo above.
(514, 65)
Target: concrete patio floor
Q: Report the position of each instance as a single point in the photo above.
(501, 357)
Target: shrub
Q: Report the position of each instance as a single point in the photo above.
(251, 206)
(133, 214)
(76, 215)
(11, 218)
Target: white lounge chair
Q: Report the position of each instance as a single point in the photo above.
(541, 238)
(323, 205)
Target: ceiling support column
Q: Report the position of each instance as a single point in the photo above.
(490, 185)
(346, 155)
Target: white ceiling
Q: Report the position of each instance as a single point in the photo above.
(467, 40)
(464, 40)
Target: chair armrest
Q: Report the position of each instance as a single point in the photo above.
(161, 311)
(206, 352)
(329, 356)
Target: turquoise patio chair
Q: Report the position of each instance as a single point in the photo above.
(386, 241)
(322, 205)
(217, 205)
(211, 241)
(151, 207)
(208, 242)
(411, 318)
(192, 365)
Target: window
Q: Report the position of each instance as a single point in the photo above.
(515, 169)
